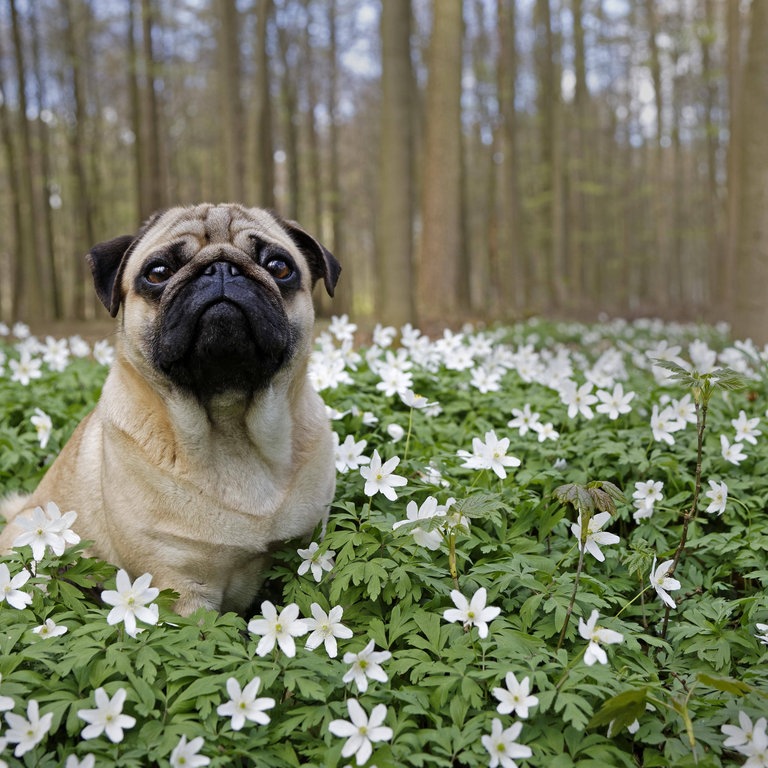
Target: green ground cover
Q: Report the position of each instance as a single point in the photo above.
(554, 554)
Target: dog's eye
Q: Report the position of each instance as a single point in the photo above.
(159, 273)
(279, 269)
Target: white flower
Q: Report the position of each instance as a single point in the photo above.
(524, 419)
(412, 400)
(88, 761)
(396, 432)
(472, 613)
(103, 353)
(394, 380)
(718, 494)
(597, 635)
(515, 698)
(243, 704)
(614, 403)
(25, 368)
(595, 536)
(131, 601)
(186, 754)
(740, 735)
(380, 478)
(429, 539)
(341, 328)
(361, 731)
(316, 561)
(43, 425)
(545, 431)
(280, 629)
(764, 637)
(684, 410)
(10, 588)
(27, 732)
(349, 454)
(578, 399)
(50, 629)
(664, 423)
(732, 452)
(79, 347)
(502, 745)
(663, 583)
(491, 454)
(47, 528)
(108, 716)
(6, 702)
(55, 353)
(325, 628)
(366, 664)
(647, 493)
(746, 429)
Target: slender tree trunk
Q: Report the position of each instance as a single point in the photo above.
(46, 190)
(32, 296)
(232, 126)
(656, 270)
(314, 197)
(343, 298)
(394, 232)
(750, 316)
(154, 197)
(265, 168)
(727, 265)
(509, 266)
(17, 274)
(78, 157)
(713, 212)
(440, 253)
(290, 111)
(137, 120)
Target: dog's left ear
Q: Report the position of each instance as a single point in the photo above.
(105, 260)
(322, 263)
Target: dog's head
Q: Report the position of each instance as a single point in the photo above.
(215, 298)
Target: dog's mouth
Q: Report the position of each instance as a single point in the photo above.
(222, 331)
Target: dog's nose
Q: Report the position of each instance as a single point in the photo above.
(223, 268)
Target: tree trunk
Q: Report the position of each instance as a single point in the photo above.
(46, 189)
(232, 126)
(750, 316)
(31, 296)
(394, 232)
(265, 168)
(10, 290)
(438, 293)
(153, 197)
(342, 302)
(508, 268)
(727, 265)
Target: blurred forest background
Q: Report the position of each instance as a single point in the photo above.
(484, 159)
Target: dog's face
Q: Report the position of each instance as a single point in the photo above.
(215, 298)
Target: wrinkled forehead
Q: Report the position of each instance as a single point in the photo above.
(211, 224)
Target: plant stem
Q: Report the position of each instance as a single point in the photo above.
(701, 421)
(452, 559)
(582, 551)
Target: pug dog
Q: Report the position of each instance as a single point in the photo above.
(208, 445)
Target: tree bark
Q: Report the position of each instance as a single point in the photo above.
(394, 232)
(750, 316)
(31, 295)
(232, 126)
(442, 235)
(265, 168)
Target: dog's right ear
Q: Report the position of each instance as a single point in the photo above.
(105, 261)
